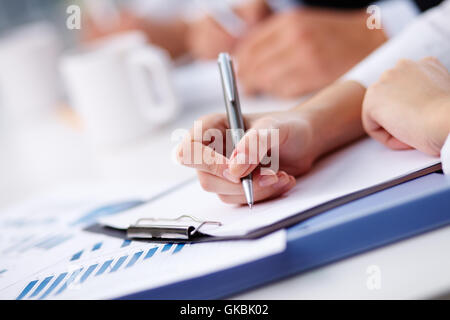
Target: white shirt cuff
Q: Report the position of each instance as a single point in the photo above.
(445, 156)
(396, 14)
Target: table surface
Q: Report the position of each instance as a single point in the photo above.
(416, 268)
(51, 152)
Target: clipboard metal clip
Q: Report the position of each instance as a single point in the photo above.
(181, 228)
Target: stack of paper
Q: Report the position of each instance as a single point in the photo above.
(360, 166)
(45, 254)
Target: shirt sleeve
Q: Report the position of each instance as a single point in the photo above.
(396, 15)
(445, 156)
(428, 35)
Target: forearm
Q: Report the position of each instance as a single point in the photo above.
(335, 115)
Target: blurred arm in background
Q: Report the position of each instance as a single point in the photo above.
(187, 28)
(168, 35)
(286, 51)
(162, 27)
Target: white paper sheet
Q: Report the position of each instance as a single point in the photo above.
(361, 165)
(126, 268)
(45, 255)
(171, 266)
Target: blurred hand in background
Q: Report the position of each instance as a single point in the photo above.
(299, 51)
(206, 37)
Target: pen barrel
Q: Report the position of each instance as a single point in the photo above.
(231, 98)
(234, 114)
(237, 128)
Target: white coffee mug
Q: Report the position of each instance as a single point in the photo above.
(121, 87)
(29, 78)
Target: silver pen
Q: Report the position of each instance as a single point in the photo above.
(234, 114)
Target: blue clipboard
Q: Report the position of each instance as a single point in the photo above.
(397, 213)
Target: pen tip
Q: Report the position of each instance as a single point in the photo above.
(250, 205)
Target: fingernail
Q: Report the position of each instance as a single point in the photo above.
(283, 179)
(233, 155)
(267, 172)
(237, 158)
(227, 175)
(266, 181)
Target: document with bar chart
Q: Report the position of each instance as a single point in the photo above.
(45, 254)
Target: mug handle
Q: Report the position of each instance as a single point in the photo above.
(149, 71)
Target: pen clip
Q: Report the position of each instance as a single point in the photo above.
(227, 73)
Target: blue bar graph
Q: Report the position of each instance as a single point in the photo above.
(97, 246)
(113, 264)
(126, 243)
(18, 246)
(150, 253)
(25, 245)
(53, 241)
(41, 286)
(135, 258)
(57, 241)
(72, 277)
(119, 263)
(76, 256)
(26, 290)
(107, 210)
(54, 285)
(178, 248)
(103, 267)
(42, 243)
(88, 272)
(3, 271)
